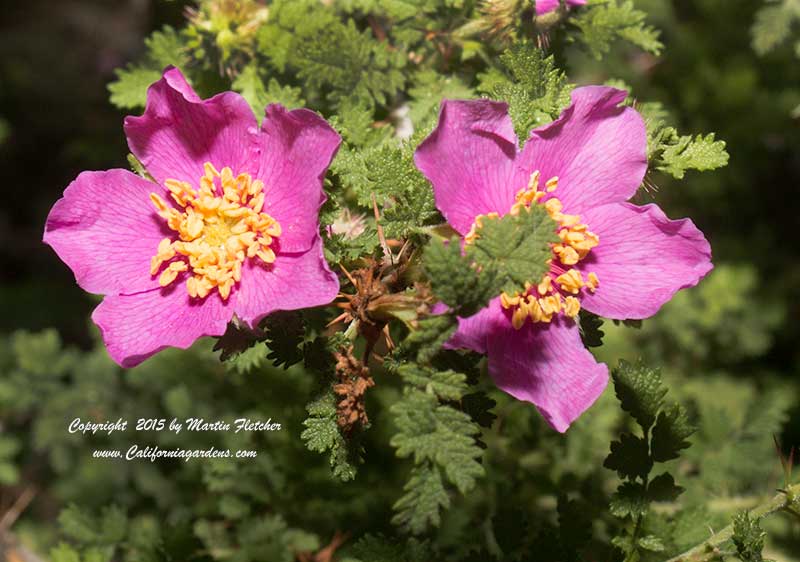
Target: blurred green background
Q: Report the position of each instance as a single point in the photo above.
(729, 347)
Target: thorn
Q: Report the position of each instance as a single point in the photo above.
(347, 274)
(387, 253)
(388, 336)
(338, 319)
(403, 249)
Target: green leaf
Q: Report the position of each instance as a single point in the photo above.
(234, 341)
(331, 56)
(322, 435)
(388, 174)
(604, 21)
(248, 360)
(164, 48)
(424, 497)
(250, 84)
(430, 335)
(670, 433)
(64, 553)
(515, 247)
(534, 88)
(679, 154)
(590, 324)
(662, 488)
(285, 333)
(129, 90)
(446, 385)
(773, 24)
(455, 281)
(629, 457)
(640, 391)
(439, 434)
(651, 543)
(748, 536)
(427, 92)
(370, 548)
(78, 525)
(630, 500)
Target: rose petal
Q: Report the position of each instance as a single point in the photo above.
(469, 159)
(106, 230)
(293, 282)
(295, 149)
(472, 332)
(642, 260)
(545, 6)
(597, 149)
(134, 327)
(547, 365)
(179, 132)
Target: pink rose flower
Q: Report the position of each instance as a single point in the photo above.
(546, 6)
(615, 259)
(229, 228)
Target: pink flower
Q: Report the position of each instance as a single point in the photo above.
(229, 228)
(546, 6)
(615, 259)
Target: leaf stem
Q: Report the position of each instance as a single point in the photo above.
(710, 549)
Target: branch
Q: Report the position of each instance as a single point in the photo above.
(710, 549)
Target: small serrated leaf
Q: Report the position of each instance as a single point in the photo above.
(662, 488)
(515, 247)
(640, 391)
(629, 457)
(670, 433)
(630, 500)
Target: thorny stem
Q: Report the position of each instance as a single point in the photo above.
(710, 549)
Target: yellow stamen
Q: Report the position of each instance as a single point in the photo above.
(592, 282)
(541, 302)
(571, 307)
(220, 226)
(544, 287)
(571, 281)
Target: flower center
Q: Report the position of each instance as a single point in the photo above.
(559, 288)
(219, 226)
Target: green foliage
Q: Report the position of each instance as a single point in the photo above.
(329, 56)
(285, 334)
(387, 173)
(251, 85)
(379, 549)
(441, 440)
(534, 88)
(675, 154)
(630, 457)
(641, 393)
(604, 21)
(455, 280)
(429, 88)
(479, 474)
(516, 247)
(773, 25)
(164, 48)
(748, 536)
(670, 433)
(590, 324)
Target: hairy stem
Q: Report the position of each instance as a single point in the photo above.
(710, 549)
